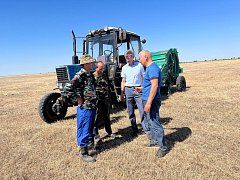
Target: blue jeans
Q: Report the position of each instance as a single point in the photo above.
(85, 120)
(131, 96)
(152, 120)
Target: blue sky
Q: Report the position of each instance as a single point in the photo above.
(36, 35)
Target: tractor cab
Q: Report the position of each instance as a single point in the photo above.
(109, 45)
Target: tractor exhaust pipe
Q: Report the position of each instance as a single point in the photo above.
(74, 57)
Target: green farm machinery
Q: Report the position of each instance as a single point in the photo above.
(168, 61)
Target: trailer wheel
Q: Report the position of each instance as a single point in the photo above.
(181, 83)
(47, 108)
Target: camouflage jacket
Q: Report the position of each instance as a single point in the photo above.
(83, 85)
(102, 87)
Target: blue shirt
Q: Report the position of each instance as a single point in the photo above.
(152, 72)
(133, 74)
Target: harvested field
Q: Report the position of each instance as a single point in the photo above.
(201, 124)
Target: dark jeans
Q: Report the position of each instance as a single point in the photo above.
(103, 117)
(131, 96)
(152, 120)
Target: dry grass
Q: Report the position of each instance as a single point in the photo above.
(202, 125)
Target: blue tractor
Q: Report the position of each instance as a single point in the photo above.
(108, 45)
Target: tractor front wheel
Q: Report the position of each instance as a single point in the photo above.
(48, 109)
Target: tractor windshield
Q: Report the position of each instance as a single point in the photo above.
(101, 47)
(134, 44)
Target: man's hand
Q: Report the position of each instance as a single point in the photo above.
(138, 89)
(147, 107)
(80, 101)
(122, 96)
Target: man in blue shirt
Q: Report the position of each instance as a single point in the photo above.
(152, 101)
(132, 77)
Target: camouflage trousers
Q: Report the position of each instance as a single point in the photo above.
(102, 117)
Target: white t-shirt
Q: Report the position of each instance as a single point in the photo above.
(133, 74)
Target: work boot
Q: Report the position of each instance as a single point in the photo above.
(161, 153)
(85, 156)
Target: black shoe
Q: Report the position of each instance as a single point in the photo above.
(93, 152)
(85, 156)
(88, 158)
(161, 153)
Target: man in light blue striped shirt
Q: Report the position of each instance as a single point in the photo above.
(132, 77)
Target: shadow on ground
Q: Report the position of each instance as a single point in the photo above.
(165, 120)
(122, 136)
(126, 135)
(179, 135)
(116, 119)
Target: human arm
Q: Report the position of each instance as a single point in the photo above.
(153, 91)
(76, 84)
(123, 82)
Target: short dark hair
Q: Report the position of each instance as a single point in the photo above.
(129, 52)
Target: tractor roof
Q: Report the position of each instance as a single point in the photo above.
(108, 29)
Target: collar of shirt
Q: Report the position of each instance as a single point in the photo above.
(133, 64)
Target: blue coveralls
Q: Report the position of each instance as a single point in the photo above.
(85, 120)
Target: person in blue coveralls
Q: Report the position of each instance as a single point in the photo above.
(84, 87)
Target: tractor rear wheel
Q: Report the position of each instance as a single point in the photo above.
(47, 108)
(181, 83)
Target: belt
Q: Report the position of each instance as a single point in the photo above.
(132, 86)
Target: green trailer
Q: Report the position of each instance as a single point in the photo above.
(168, 61)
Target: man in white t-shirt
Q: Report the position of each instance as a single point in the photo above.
(132, 77)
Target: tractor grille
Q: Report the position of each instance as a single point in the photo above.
(62, 74)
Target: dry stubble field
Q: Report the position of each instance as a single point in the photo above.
(202, 126)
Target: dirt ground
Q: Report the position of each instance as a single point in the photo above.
(201, 125)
